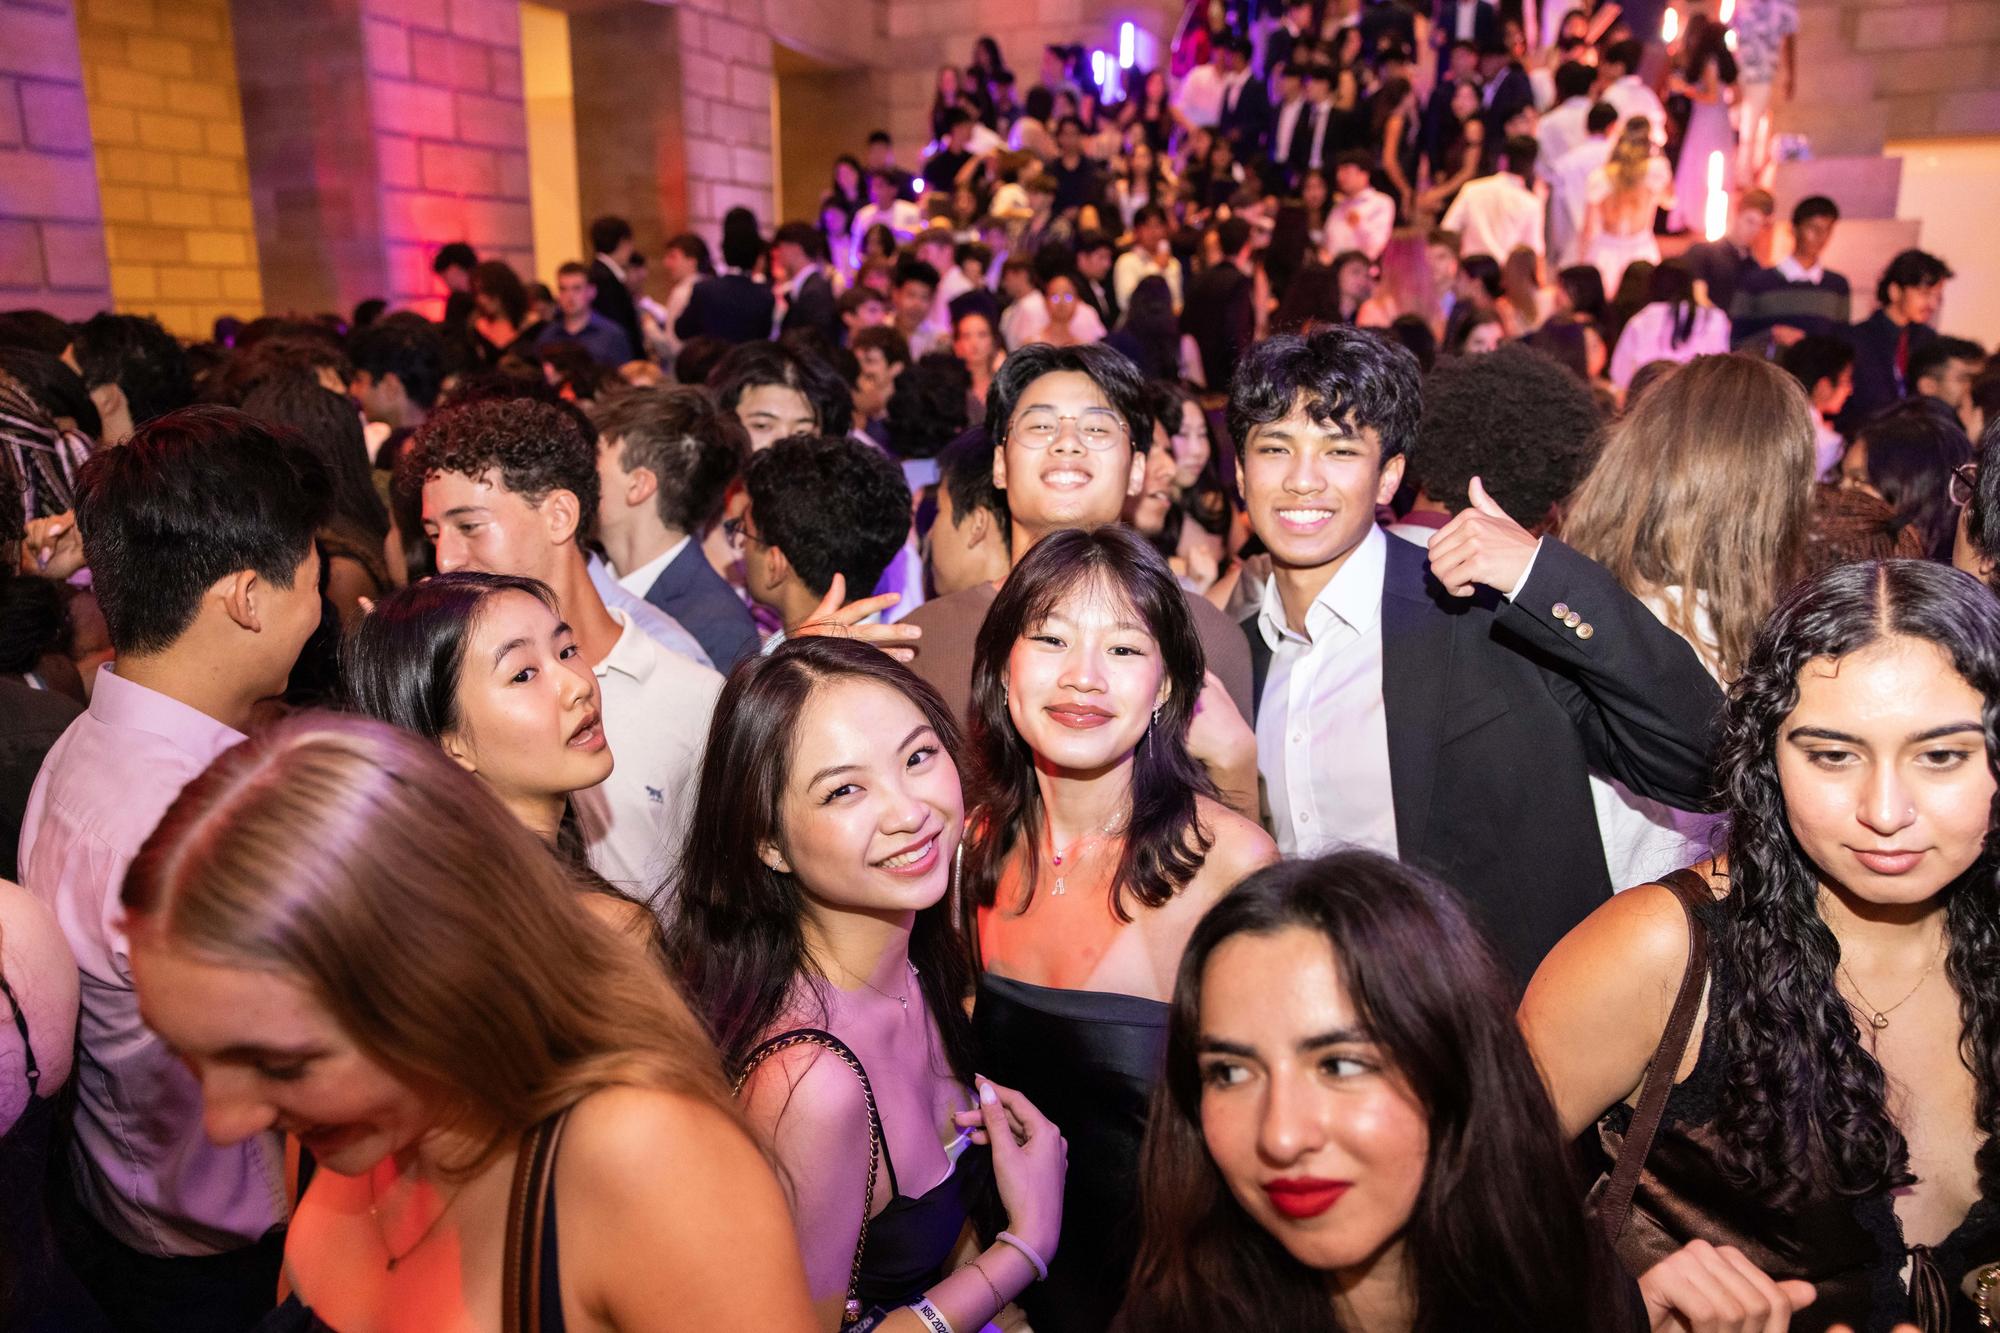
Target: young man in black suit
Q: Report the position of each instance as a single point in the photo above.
(734, 306)
(1444, 708)
(809, 299)
(611, 239)
(1220, 312)
(1246, 104)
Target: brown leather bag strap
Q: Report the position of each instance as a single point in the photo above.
(1615, 1208)
(527, 1215)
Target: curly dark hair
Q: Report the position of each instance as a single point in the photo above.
(1344, 375)
(1516, 419)
(538, 448)
(140, 357)
(928, 407)
(1803, 1103)
(833, 505)
(406, 346)
(1165, 845)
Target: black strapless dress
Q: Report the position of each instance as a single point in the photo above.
(1088, 1060)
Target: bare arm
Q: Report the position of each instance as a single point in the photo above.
(1392, 139)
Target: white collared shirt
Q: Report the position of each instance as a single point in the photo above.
(654, 623)
(1632, 96)
(1374, 218)
(1795, 272)
(656, 709)
(1322, 731)
(641, 580)
(1496, 213)
(1290, 115)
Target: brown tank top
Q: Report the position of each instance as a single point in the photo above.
(1851, 1250)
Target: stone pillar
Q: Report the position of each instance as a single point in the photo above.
(380, 135)
(673, 115)
(51, 226)
(167, 124)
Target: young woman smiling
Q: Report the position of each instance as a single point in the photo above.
(1098, 844)
(812, 932)
(347, 937)
(1810, 1023)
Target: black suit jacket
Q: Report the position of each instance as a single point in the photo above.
(1876, 383)
(31, 721)
(1218, 313)
(732, 307)
(1514, 95)
(690, 591)
(1247, 123)
(614, 301)
(1497, 711)
(1485, 23)
(814, 307)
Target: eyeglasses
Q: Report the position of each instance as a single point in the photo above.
(738, 531)
(1963, 478)
(1099, 428)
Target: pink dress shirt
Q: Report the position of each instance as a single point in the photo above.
(144, 1168)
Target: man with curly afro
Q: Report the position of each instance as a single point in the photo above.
(510, 487)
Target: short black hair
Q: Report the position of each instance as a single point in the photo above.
(407, 347)
(1518, 420)
(1520, 152)
(1354, 157)
(911, 269)
(833, 505)
(1039, 104)
(608, 233)
(699, 357)
(1111, 370)
(965, 470)
(1088, 241)
(1911, 268)
(1932, 356)
(1346, 376)
(1814, 206)
(928, 406)
(1601, 117)
(193, 497)
(955, 116)
(1628, 53)
(1574, 79)
(141, 358)
(878, 136)
(36, 329)
(855, 297)
(455, 255)
(327, 425)
(1234, 234)
(893, 346)
(536, 447)
(805, 236)
(742, 243)
(693, 447)
(750, 365)
(1817, 357)
(1149, 213)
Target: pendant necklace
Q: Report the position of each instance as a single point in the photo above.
(904, 998)
(1879, 1018)
(1112, 826)
(383, 1232)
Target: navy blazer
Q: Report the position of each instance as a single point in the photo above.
(690, 591)
(732, 307)
(1497, 712)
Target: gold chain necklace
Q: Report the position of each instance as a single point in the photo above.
(904, 998)
(1112, 826)
(1879, 1018)
(383, 1232)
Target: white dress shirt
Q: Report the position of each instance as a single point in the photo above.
(1569, 197)
(1135, 266)
(1200, 99)
(641, 580)
(1362, 223)
(1494, 214)
(1562, 129)
(656, 709)
(1632, 97)
(1289, 115)
(1322, 731)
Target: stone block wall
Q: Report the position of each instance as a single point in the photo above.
(51, 227)
(1871, 70)
(725, 48)
(166, 121)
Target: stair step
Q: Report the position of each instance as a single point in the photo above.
(1864, 187)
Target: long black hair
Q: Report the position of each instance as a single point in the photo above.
(1804, 1105)
(737, 939)
(1497, 1238)
(1164, 842)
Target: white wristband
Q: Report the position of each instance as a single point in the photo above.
(933, 1320)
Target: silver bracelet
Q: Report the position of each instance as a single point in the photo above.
(933, 1320)
(1027, 1252)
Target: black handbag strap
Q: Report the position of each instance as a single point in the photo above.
(527, 1217)
(1615, 1209)
(877, 1143)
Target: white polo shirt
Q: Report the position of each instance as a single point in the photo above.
(656, 708)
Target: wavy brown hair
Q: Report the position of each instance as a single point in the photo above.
(443, 937)
(1705, 485)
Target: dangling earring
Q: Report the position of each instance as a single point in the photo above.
(957, 866)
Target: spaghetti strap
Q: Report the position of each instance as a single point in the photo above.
(827, 1041)
(1614, 1209)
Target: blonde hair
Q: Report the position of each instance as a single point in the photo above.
(1632, 155)
(1705, 485)
(440, 933)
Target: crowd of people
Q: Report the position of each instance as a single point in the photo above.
(1226, 709)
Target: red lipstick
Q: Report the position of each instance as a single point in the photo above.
(1305, 1196)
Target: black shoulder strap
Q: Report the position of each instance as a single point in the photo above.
(1615, 1209)
(33, 1070)
(527, 1214)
